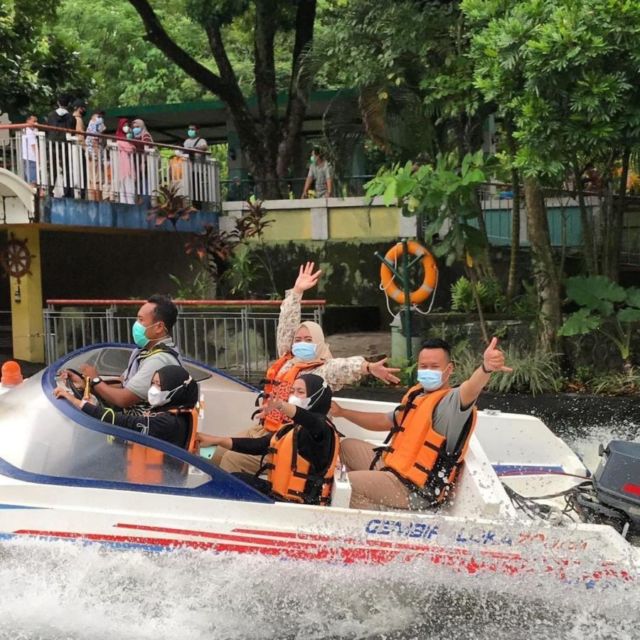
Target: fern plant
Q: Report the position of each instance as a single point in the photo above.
(533, 372)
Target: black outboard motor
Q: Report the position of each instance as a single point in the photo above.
(615, 497)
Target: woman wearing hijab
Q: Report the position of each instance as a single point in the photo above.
(144, 173)
(309, 444)
(302, 349)
(125, 185)
(172, 388)
(95, 164)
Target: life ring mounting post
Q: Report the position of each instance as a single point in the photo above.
(403, 296)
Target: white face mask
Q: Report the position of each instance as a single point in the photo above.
(303, 403)
(156, 396)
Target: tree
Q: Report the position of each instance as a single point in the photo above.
(268, 140)
(568, 74)
(34, 66)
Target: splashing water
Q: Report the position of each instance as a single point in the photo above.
(65, 591)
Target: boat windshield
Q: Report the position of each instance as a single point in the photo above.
(48, 437)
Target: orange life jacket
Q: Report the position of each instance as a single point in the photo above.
(144, 464)
(289, 473)
(278, 385)
(417, 453)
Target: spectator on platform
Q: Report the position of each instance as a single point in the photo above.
(125, 186)
(320, 174)
(30, 150)
(61, 119)
(194, 144)
(95, 164)
(195, 141)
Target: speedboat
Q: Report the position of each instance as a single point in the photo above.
(519, 508)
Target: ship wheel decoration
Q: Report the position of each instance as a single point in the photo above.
(16, 259)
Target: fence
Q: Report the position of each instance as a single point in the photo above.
(238, 336)
(101, 167)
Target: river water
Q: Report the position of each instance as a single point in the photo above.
(65, 591)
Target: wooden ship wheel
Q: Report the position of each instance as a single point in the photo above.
(16, 258)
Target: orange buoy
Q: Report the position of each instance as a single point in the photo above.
(10, 374)
(428, 266)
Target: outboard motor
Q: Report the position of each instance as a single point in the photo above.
(615, 496)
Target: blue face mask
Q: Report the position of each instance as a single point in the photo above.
(304, 350)
(139, 334)
(137, 131)
(430, 379)
(192, 133)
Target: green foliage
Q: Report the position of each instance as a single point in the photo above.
(606, 307)
(199, 287)
(533, 372)
(446, 192)
(489, 291)
(567, 74)
(35, 66)
(243, 273)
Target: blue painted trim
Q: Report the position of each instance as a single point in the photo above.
(526, 470)
(120, 546)
(17, 506)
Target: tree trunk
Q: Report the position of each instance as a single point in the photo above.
(611, 258)
(512, 280)
(266, 141)
(588, 245)
(545, 273)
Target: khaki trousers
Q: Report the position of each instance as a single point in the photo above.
(234, 462)
(371, 489)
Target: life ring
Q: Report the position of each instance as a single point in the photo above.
(428, 266)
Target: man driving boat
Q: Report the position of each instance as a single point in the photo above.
(151, 333)
(428, 435)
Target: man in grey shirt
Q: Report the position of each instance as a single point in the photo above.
(151, 333)
(320, 174)
(374, 482)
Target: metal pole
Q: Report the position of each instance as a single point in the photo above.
(407, 299)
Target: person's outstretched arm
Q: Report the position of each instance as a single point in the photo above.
(371, 420)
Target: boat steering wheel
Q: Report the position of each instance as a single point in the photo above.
(78, 393)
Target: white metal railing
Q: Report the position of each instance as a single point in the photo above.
(237, 336)
(100, 167)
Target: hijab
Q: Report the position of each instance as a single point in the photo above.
(318, 392)
(317, 336)
(174, 377)
(119, 132)
(144, 136)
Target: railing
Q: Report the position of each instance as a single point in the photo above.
(238, 336)
(92, 166)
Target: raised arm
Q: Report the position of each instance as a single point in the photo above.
(492, 361)
(290, 309)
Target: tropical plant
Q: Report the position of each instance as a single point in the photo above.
(605, 307)
(489, 291)
(199, 287)
(243, 272)
(172, 206)
(533, 372)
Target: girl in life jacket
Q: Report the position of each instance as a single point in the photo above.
(301, 456)
(172, 395)
(302, 349)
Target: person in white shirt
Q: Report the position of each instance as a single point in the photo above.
(30, 150)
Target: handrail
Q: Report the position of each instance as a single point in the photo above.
(106, 136)
(187, 303)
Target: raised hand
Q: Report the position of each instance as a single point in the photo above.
(306, 278)
(382, 372)
(493, 358)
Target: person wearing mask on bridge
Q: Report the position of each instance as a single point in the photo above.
(428, 435)
(302, 349)
(320, 174)
(196, 148)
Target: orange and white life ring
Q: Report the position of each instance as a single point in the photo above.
(428, 266)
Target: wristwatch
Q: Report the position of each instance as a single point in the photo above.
(96, 380)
